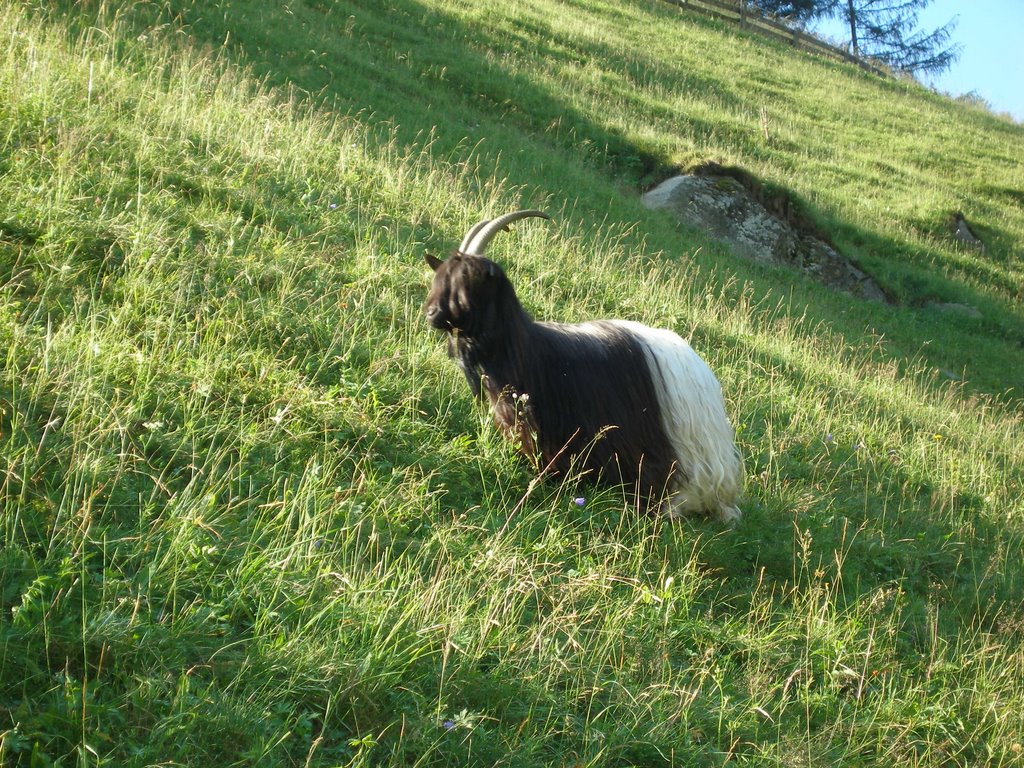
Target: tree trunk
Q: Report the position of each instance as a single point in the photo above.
(852, 18)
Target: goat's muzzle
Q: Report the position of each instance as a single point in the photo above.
(437, 318)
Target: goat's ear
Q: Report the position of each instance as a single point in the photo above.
(433, 261)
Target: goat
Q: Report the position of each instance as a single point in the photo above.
(614, 399)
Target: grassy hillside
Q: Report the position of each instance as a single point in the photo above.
(635, 89)
(251, 515)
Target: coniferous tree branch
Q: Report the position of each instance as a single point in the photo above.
(886, 30)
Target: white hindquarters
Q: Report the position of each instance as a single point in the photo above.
(710, 475)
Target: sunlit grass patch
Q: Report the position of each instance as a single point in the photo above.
(250, 513)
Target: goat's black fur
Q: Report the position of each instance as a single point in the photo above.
(577, 397)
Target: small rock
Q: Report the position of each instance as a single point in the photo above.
(963, 233)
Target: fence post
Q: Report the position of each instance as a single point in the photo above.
(743, 13)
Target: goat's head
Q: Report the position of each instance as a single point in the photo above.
(470, 293)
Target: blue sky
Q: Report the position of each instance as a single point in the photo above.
(991, 38)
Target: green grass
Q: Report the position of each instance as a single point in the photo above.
(251, 515)
(550, 99)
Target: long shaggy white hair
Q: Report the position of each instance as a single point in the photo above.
(710, 473)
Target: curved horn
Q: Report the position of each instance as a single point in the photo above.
(472, 233)
(483, 234)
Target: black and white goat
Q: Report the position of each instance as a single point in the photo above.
(612, 398)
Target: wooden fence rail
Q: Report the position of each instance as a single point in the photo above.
(750, 17)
